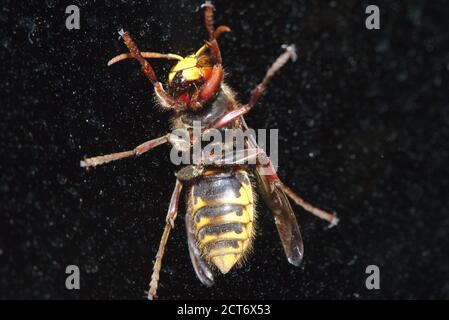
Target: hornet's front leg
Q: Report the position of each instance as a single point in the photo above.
(210, 87)
(289, 53)
(166, 100)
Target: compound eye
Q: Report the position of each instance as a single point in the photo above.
(176, 81)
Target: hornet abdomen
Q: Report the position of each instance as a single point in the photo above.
(221, 212)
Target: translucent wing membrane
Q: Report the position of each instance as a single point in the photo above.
(285, 220)
(202, 270)
(283, 214)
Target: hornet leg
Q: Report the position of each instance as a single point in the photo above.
(248, 155)
(166, 99)
(289, 53)
(265, 167)
(137, 151)
(276, 181)
(329, 217)
(259, 155)
(171, 216)
(209, 88)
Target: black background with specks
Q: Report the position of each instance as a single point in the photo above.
(363, 119)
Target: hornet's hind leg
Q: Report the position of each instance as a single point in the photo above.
(171, 216)
(276, 182)
(266, 168)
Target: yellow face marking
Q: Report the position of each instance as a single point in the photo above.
(186, 63)
(193, 67)
(191, 74)
(188, 66)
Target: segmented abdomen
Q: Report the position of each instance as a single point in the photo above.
(221, 210)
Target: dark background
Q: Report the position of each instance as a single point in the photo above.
(363, 117)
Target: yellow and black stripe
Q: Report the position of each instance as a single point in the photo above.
(221, 211)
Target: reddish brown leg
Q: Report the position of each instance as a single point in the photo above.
(210, 87)
(171, 216)
(209, 18)
(209, 9)
(241, 157)
(166, 99)
(259, 154)
(146, 55)
(276, 182)
(140, 149)
(290, 53)
(329, 217)
(245, 156)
